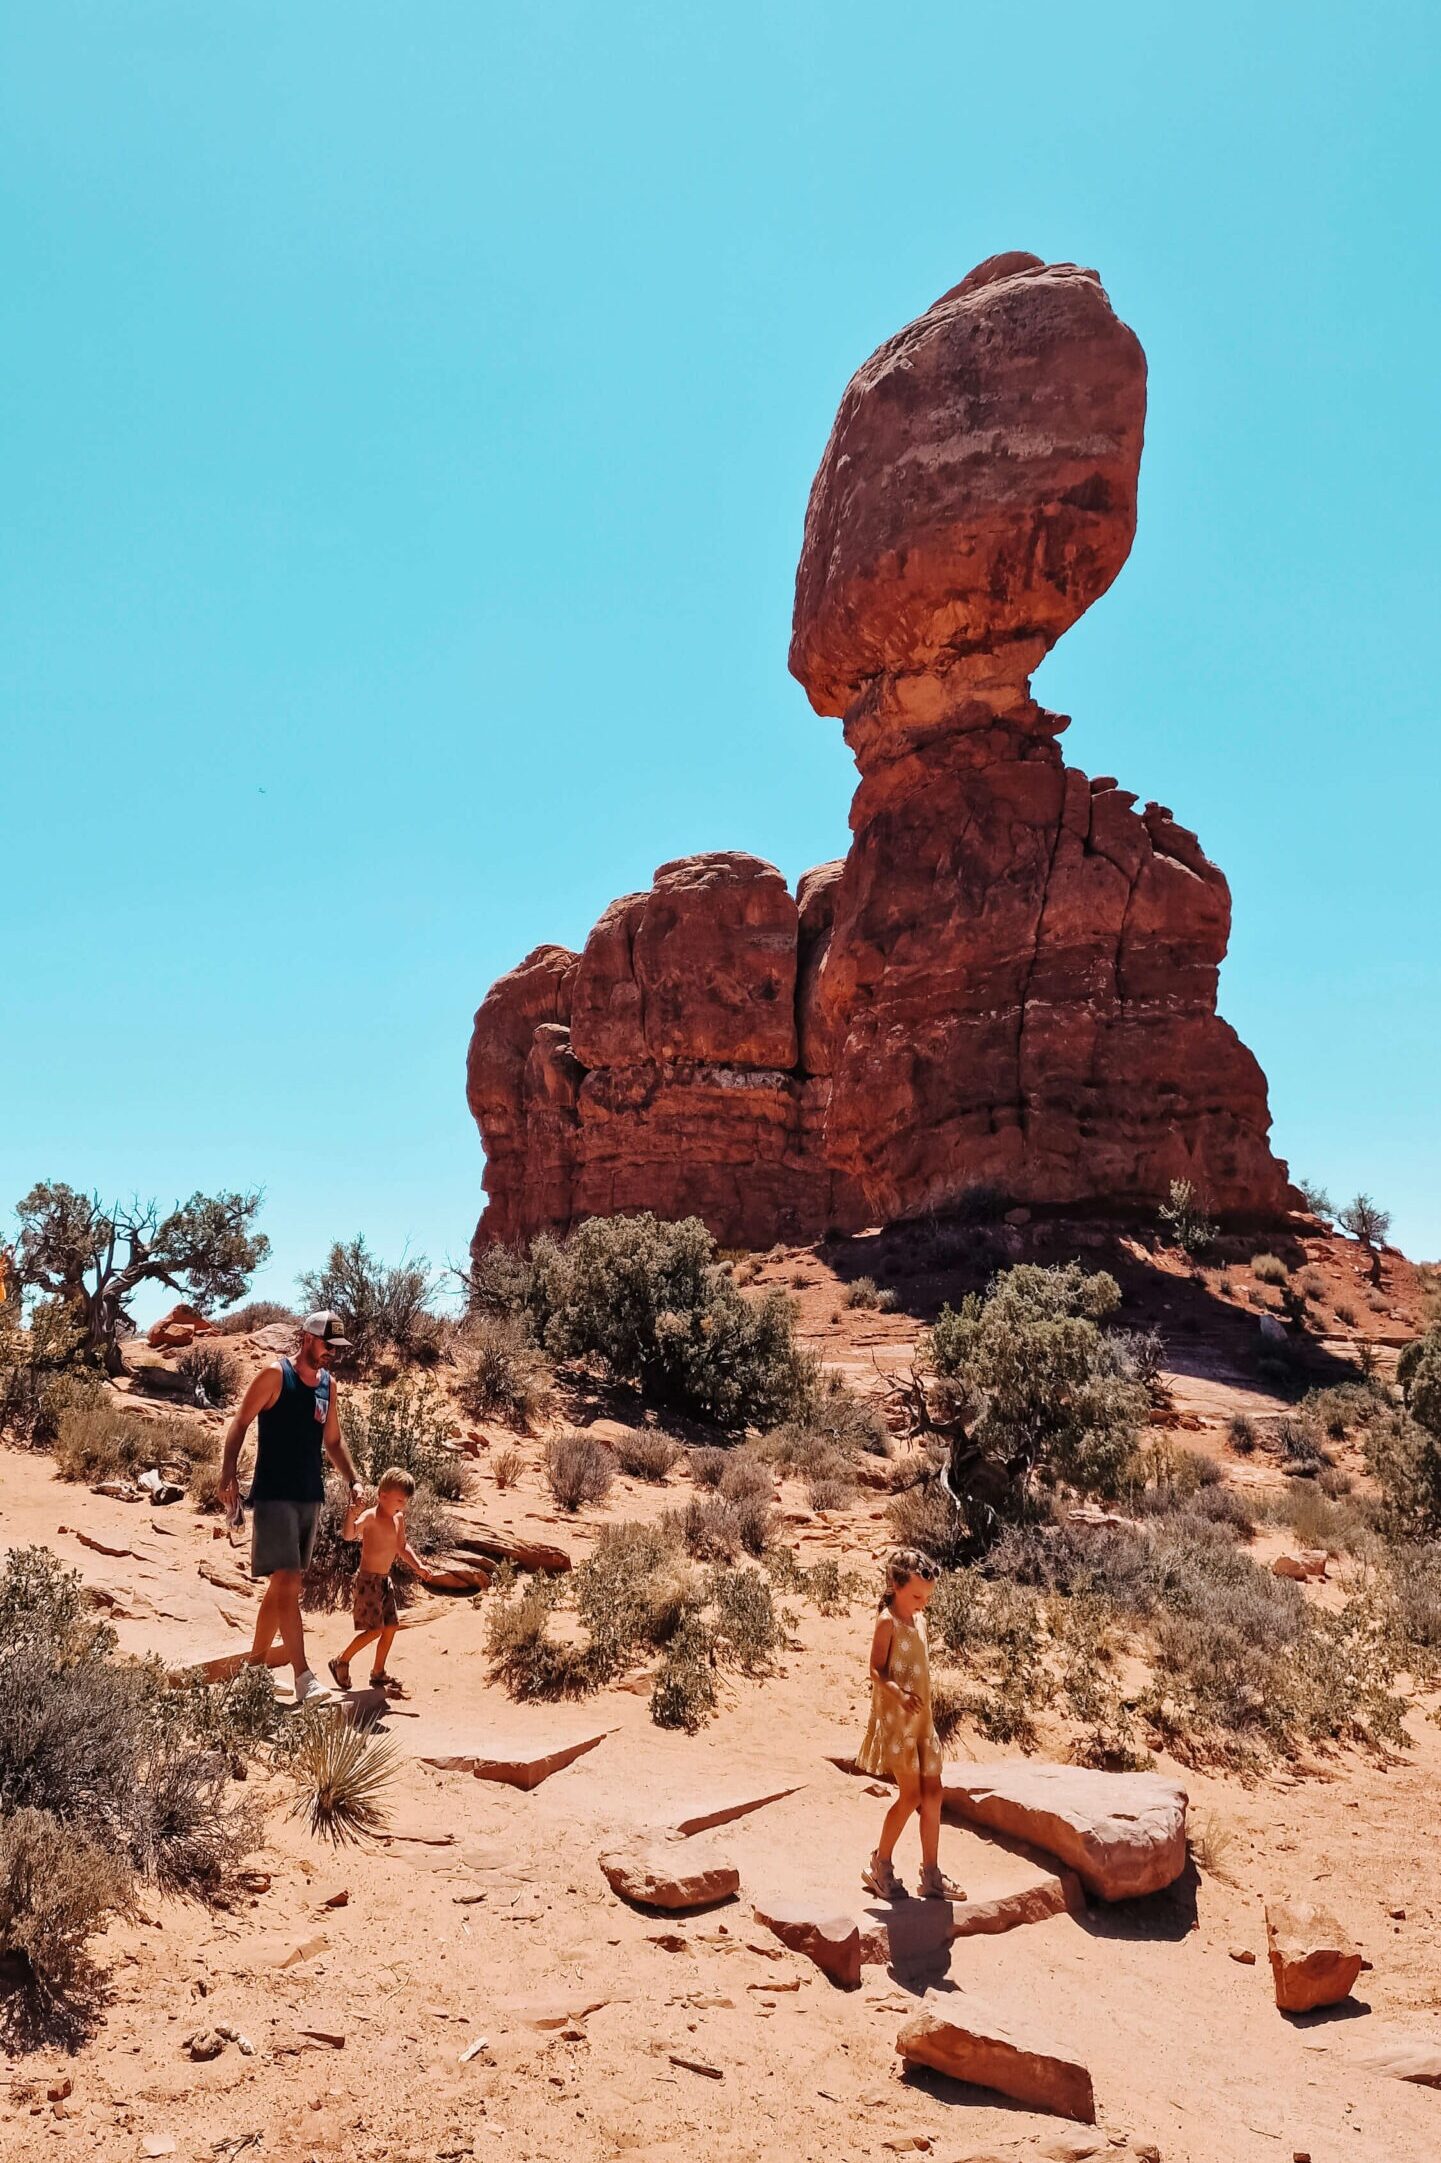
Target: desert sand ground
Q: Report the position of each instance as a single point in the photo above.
(471, 1986)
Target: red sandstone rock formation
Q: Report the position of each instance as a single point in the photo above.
(1011, 978)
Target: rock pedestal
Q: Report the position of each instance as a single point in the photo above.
(1011, 977)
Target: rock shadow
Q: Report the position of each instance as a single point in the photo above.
(1165, 1917)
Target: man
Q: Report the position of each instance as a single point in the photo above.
(295, 1403)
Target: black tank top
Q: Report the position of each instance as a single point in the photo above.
(289, 1460)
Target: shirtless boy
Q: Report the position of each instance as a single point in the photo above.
(381, 1533)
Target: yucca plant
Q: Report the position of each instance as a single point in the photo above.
(342, 1773)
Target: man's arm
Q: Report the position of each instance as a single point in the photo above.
(335, 1445)
(355, 1510)
(260, 1396)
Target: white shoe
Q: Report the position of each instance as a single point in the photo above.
(310, 1690)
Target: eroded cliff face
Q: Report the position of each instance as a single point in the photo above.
(1011, 977)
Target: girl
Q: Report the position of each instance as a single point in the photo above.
(901, 1738)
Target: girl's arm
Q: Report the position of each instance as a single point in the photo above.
(880, 1660)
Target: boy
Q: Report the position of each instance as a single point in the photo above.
(381, 1533)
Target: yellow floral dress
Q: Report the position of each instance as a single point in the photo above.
(896, 1739)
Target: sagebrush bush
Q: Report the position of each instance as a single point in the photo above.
(744, 1476)
(1269, 1269)
(707, 1465)
(503, 1374)
(1404, 1459)
(716, 1530)
(646, 1455)
(653, 1306)
(829, 1493)
(633, 1591)
(744, 1626)
(526, 1658)
(1241, 1433)
(579, 1469)
(861, 1292)
(383, 1308)
(407, 1425)
(1297, 1440)
(1345, 1312)
(832, 1422)
(57, 1890)
(1183, 1218)
(211, 1374)
(925, 1517)
(684, 1694)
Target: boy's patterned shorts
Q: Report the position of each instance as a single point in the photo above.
(374, 1603)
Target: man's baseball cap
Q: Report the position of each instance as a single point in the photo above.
(329, 1327)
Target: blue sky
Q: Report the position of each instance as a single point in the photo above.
(406, 423)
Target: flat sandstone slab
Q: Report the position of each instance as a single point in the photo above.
(978, 2047)
(1123, 1833)
(521, 1772)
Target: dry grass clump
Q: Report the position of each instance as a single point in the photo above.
(579, 1470)
(1241, 1433)
(342, 1773)
(746, 1476)
(718, 1530)
(212, 1377)
(255, 1314)
(829, 1493)
(924, 1516)
(861, 1292)
(97, 1440)
(506, 1466)
(503, 1373)
(707, 1464)
(646, 1455)
(1269, 1269)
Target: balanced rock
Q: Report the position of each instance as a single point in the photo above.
(833, 1942)
(1011, 978)
(1313, 1960)
(669, 1874)
(977, 2047)
(1123, 1833)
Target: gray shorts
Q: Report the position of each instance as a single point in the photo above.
(282, 1536)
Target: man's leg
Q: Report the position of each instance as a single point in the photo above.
(267, 1625)
(285, 1588)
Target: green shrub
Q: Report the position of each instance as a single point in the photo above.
(407, 1425)
(832, 1422)
(41, 1373)
(654, 1307)
(1183, 1218)
(714, 1530)
(744, 1627)
(526, 1658)
(382, 1308)
(1269, 1269)
(632, 1592)
(1418, 1371)
(1060, 1402)
(646, 1455)
(579, 1470)
(503, 1373)
(210, 1372)
(1404, 1459)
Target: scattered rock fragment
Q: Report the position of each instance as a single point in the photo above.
(979, 2048)
(654, 1874)
(711, 1815)
(204, 2044)
(1313, 1960)
(521, 1772)
(1305, 1565)
(1123, 1833)
(833, 1942)
(1244, 1955)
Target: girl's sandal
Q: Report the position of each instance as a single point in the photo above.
(388, 1683)
(340, 1669)
(879, 1877)
(935, 1885)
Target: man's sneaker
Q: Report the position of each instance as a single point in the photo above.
(310, 1690)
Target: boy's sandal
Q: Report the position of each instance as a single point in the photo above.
(340, 1669)
(879, 1877)
(935, 1885)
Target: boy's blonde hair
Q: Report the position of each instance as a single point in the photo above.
(395, 1476)
(902, 1565)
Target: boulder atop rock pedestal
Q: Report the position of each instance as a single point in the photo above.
(979, 487)
(1123, 1833)
(977, 2046)
(1313, 1959)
